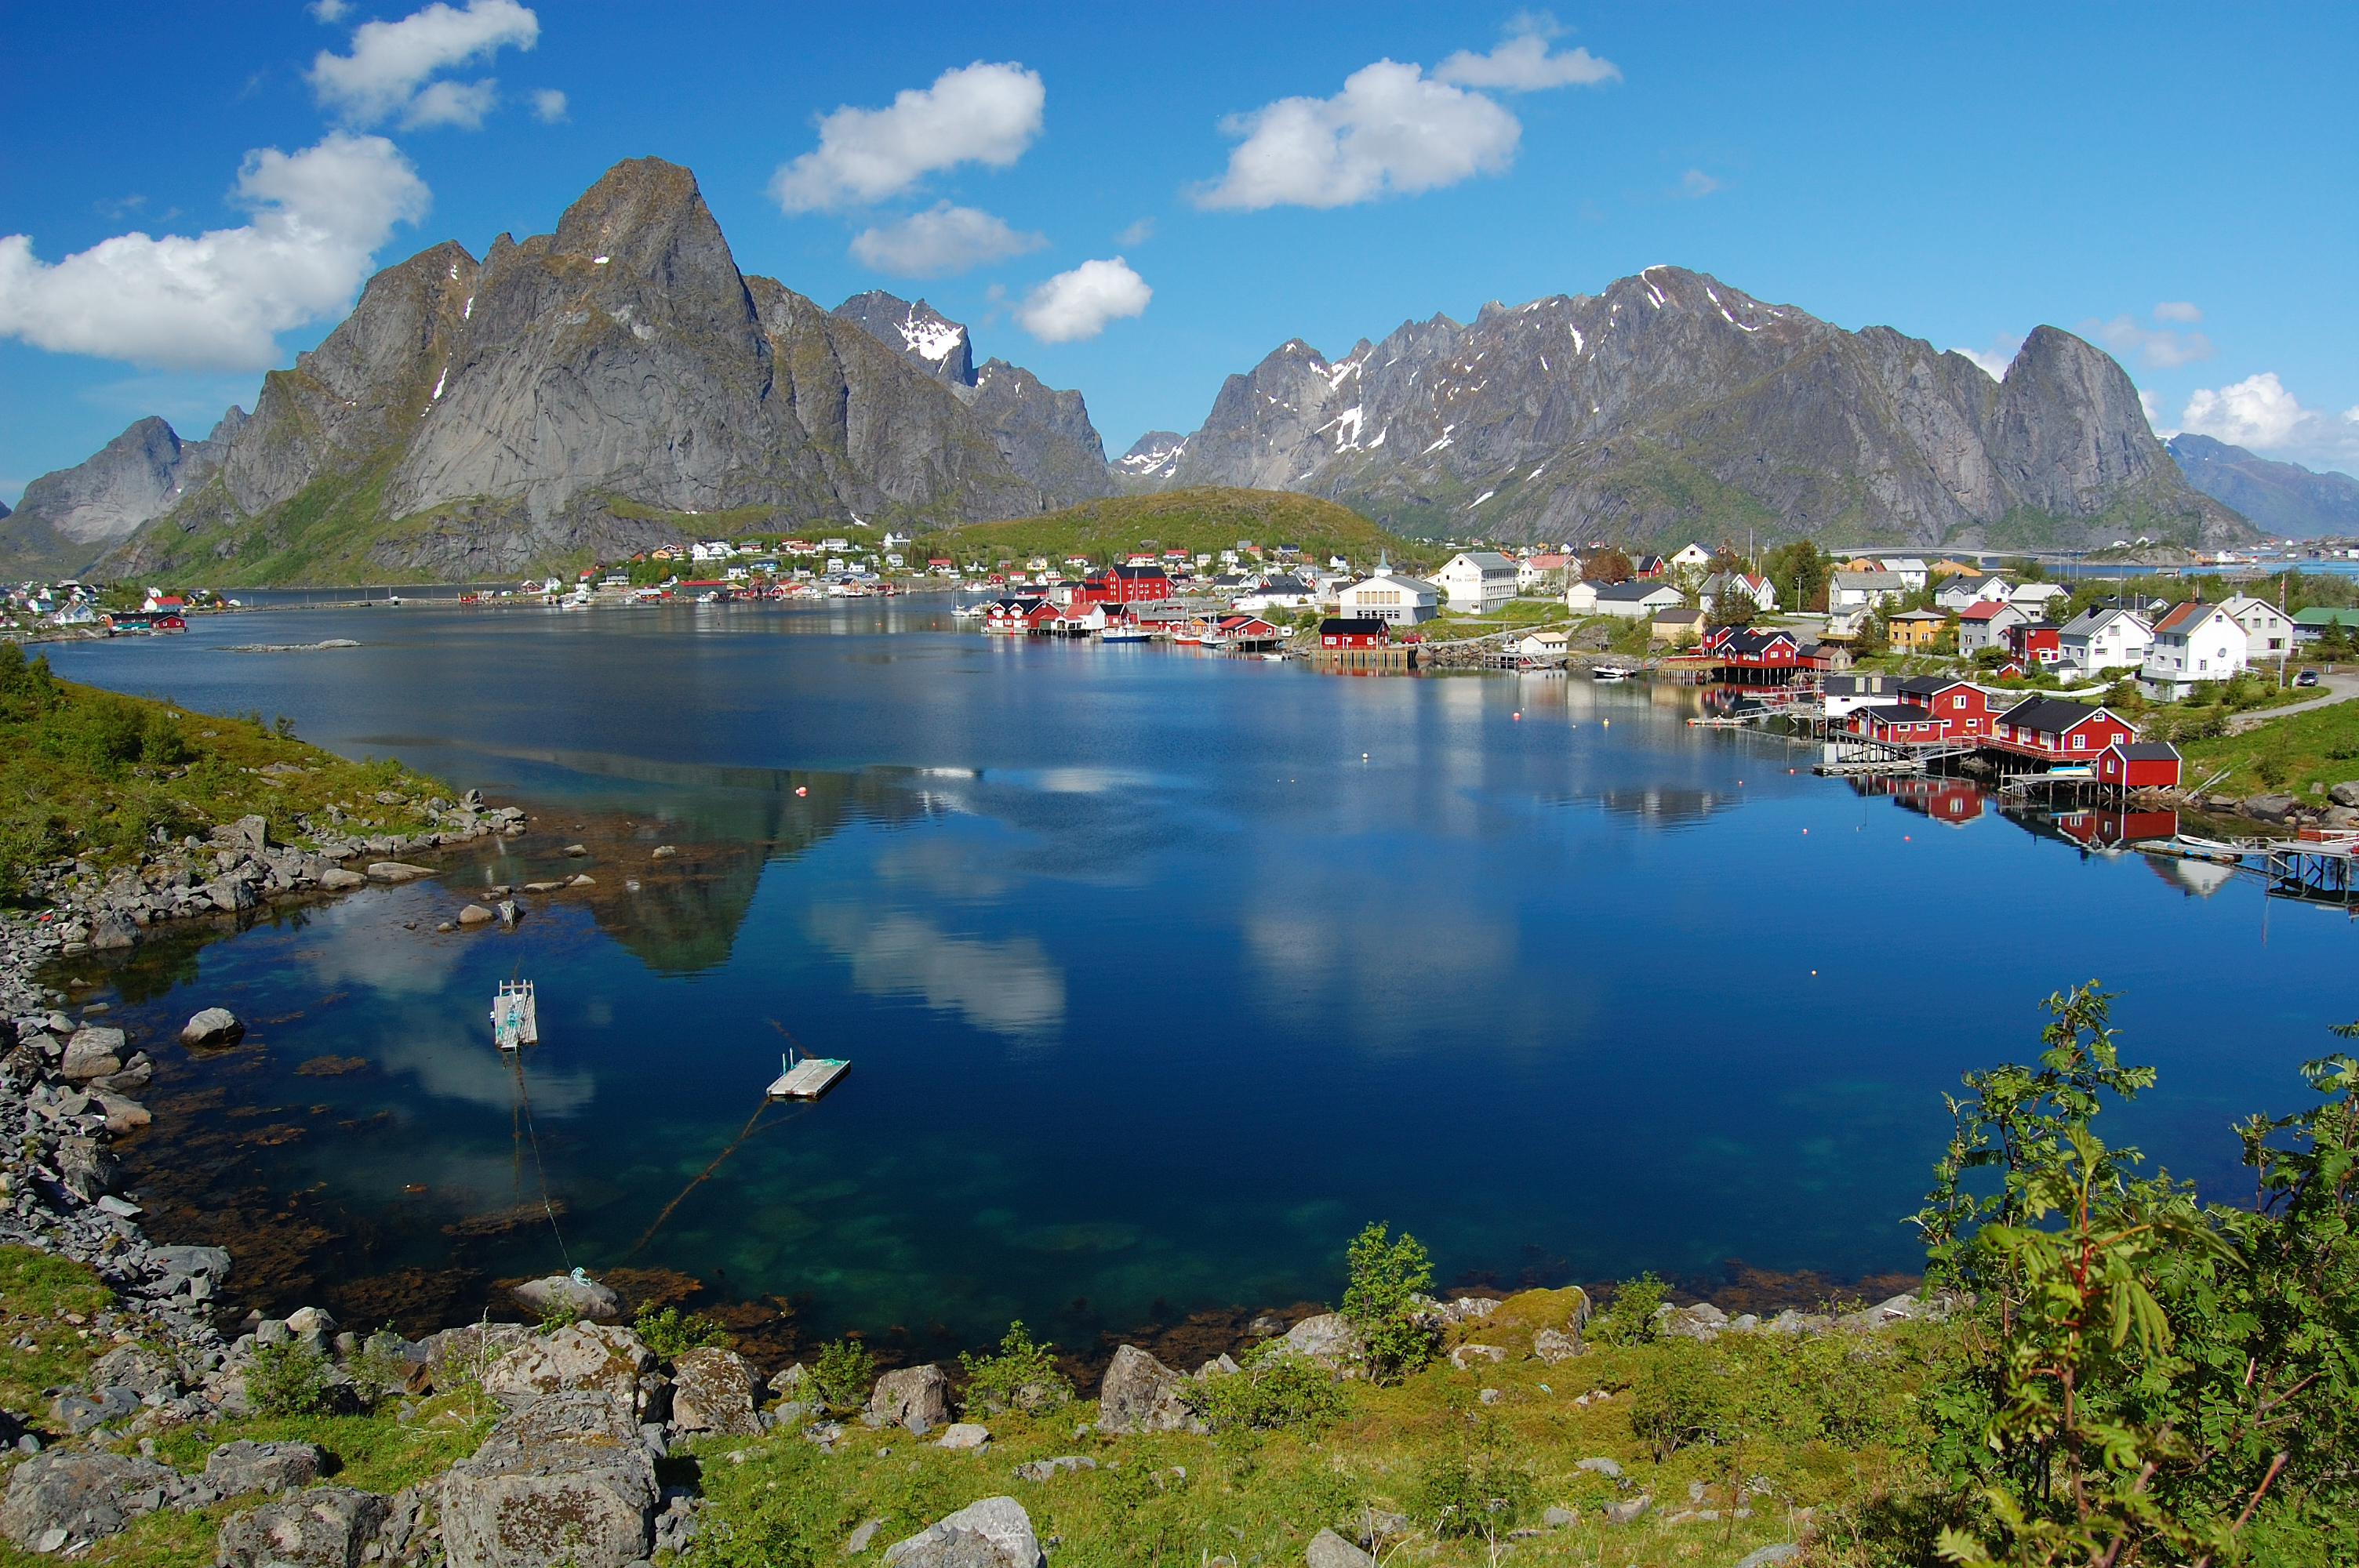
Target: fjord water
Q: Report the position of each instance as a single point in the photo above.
(1160, 974)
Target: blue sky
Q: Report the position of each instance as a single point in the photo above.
(2173, 182)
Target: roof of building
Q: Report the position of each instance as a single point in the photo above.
(1860, 686)
(2320, 615)
(1922, 615)
(1352, 627)
(2052, 715)
(2183, 616)
(2148, 750)
(1896, 713)
(1134, 571)
(1677, 615)
(1931, 686)
(1887, 580)
(1489, 560)
(1631, 592)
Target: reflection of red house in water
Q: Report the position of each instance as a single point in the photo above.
(1944, 800)
(2109, 828)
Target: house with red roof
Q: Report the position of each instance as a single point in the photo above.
(2195, 642)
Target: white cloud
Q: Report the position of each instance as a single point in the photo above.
(1139, 233)
(1995, 359)
(1695, 183)
(977, 114)
(1523, 64)
(2177, 310)
(942, 240)
(1390, 131)
(1078, 304)
(391, 61)
(2258, 412)
(2157, 348)
(549, 105)
(2151, 407)
(328, 10)
(214, 302)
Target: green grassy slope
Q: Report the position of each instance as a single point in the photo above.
(1202, 518)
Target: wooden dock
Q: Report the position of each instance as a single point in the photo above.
(809, 1078)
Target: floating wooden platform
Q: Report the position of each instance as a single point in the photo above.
(809, 1078)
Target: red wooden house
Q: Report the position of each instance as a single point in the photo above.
(2058, 730)
(1897, 723)
(2108, 828)
(2035, 642)
(2140, 765)
(1124, 585)
(1018, 616)
(1347, 631)
(1963, 707)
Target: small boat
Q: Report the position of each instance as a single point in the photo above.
(806, 1079)
(1275, 659)
(1125, 634)
(515, 1021)
(1610, 671)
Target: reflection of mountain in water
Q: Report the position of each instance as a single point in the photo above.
(680, 912)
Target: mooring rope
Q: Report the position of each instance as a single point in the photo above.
(742, 1133)
(523, 1105)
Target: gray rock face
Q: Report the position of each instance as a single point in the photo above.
(716, 1390)
(1045, 435)
(1613, 416)
(214, 1026)
(586, 1300)
(992, 1533)
(915, 1396)
(248, 1466)
(1141, 1394)
(920, 334)
(57, 1497)
(586, 1357)
(327, 1527)
(1152, 461)
(2283, 498)
(70, 517)
(565, 1481)
(1327, 1340)
(582, 393)
(136, 1367)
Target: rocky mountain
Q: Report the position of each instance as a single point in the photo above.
(1673, 407)
(589, 393)
(1151, 461)
(1045, 435)
(2285, 499)
(68, 518)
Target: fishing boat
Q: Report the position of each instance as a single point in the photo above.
(806, 1079)
(1125, 634)
(1610, 672)
(514, 1022)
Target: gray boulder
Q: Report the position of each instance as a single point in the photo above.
(1046, 1469)
(78, 1414)
(592, 1357)
(135, 1367)
(326, 1526)
(1777, 1551)
(566, 1480)
(92, 1054)
(85, 1167)
(247, 1466)
(56, 1497)
(993, 1533)
(214, 1026)
(1141, 1394)
(2345, 793)
(1602, 1467)
(584, 1298)
(916, 1397)
(247, 834)
(716, 1390)
(1327, 1550)
(1329, 1339)
(1630, 1508)
(1553, 1345)
(2273, 807)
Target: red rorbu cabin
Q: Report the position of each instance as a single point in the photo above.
(1351, 632)
(2140, 765)
(2058, 730)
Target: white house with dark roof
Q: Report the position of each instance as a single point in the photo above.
(1478, 581)
(2101, 639)
(1636, 600)
(2196, 642)
(1960, 592)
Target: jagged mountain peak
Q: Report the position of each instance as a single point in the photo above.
(1152, 460)
(915, 330)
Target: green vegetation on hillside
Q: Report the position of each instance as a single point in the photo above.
(1202, 519)
(101, 776)
(2293, 752)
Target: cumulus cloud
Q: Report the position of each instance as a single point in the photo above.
(214, 302)
(1139, 233)
(1391, 131)
(2158, 348)
(978, 113)
(1995, 359)
(385, 76)
(940, 241)
(1523, 64)
(2258, 412)
(1695, 184)
(1078, 304)
(328, 10)
(549, 105)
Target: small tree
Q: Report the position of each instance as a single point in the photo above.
(1023, 1376)
(844, 1374)
(1385, 1276)
(1608, 566)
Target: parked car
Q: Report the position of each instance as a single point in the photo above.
(2307, 678)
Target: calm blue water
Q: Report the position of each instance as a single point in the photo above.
(1161, 974)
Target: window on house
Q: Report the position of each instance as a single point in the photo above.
(2080, 742)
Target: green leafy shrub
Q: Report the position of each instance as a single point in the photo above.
(290, 1378)
(1275, 1389)
(671, 1333)
(1023, 1376)
(1384, 1277)
(844, 1374)
(1629, 1318)
(1680, 1397)
(1474, 1484)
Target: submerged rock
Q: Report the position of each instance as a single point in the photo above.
(583, 1298)
(214, 1025)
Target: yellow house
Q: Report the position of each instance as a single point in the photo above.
(1913, 630)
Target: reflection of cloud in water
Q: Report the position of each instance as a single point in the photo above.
(2200, 878)
(1010, 987)
(472, 1070)
(363, 950)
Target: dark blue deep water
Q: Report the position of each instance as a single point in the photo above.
(1161, 974)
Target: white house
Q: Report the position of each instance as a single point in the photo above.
(1553, 643)
(1636, 600)
(1478, 581)
(1850, 591)
(1846, 695)
(2269, 631)
(1397, 600)
(1752, 585)
(1695, 557)
(2099, 640)
(2034, 598)
(1909, 569)
(2196, 642)
(1540, 571)
(1958, 592)
(1278, 594)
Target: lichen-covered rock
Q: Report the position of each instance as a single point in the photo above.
(58, 1498)
(248, 1466)
(716, 1390)
(992, 1533)
(916, 1397)
(566, 1480)
(92, 1054)
(1139, 1393)
(1329, 1339)
(326, 1526)
(137, 1367)
(584, 1298)
(1327, 1550)
(592, 1355)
